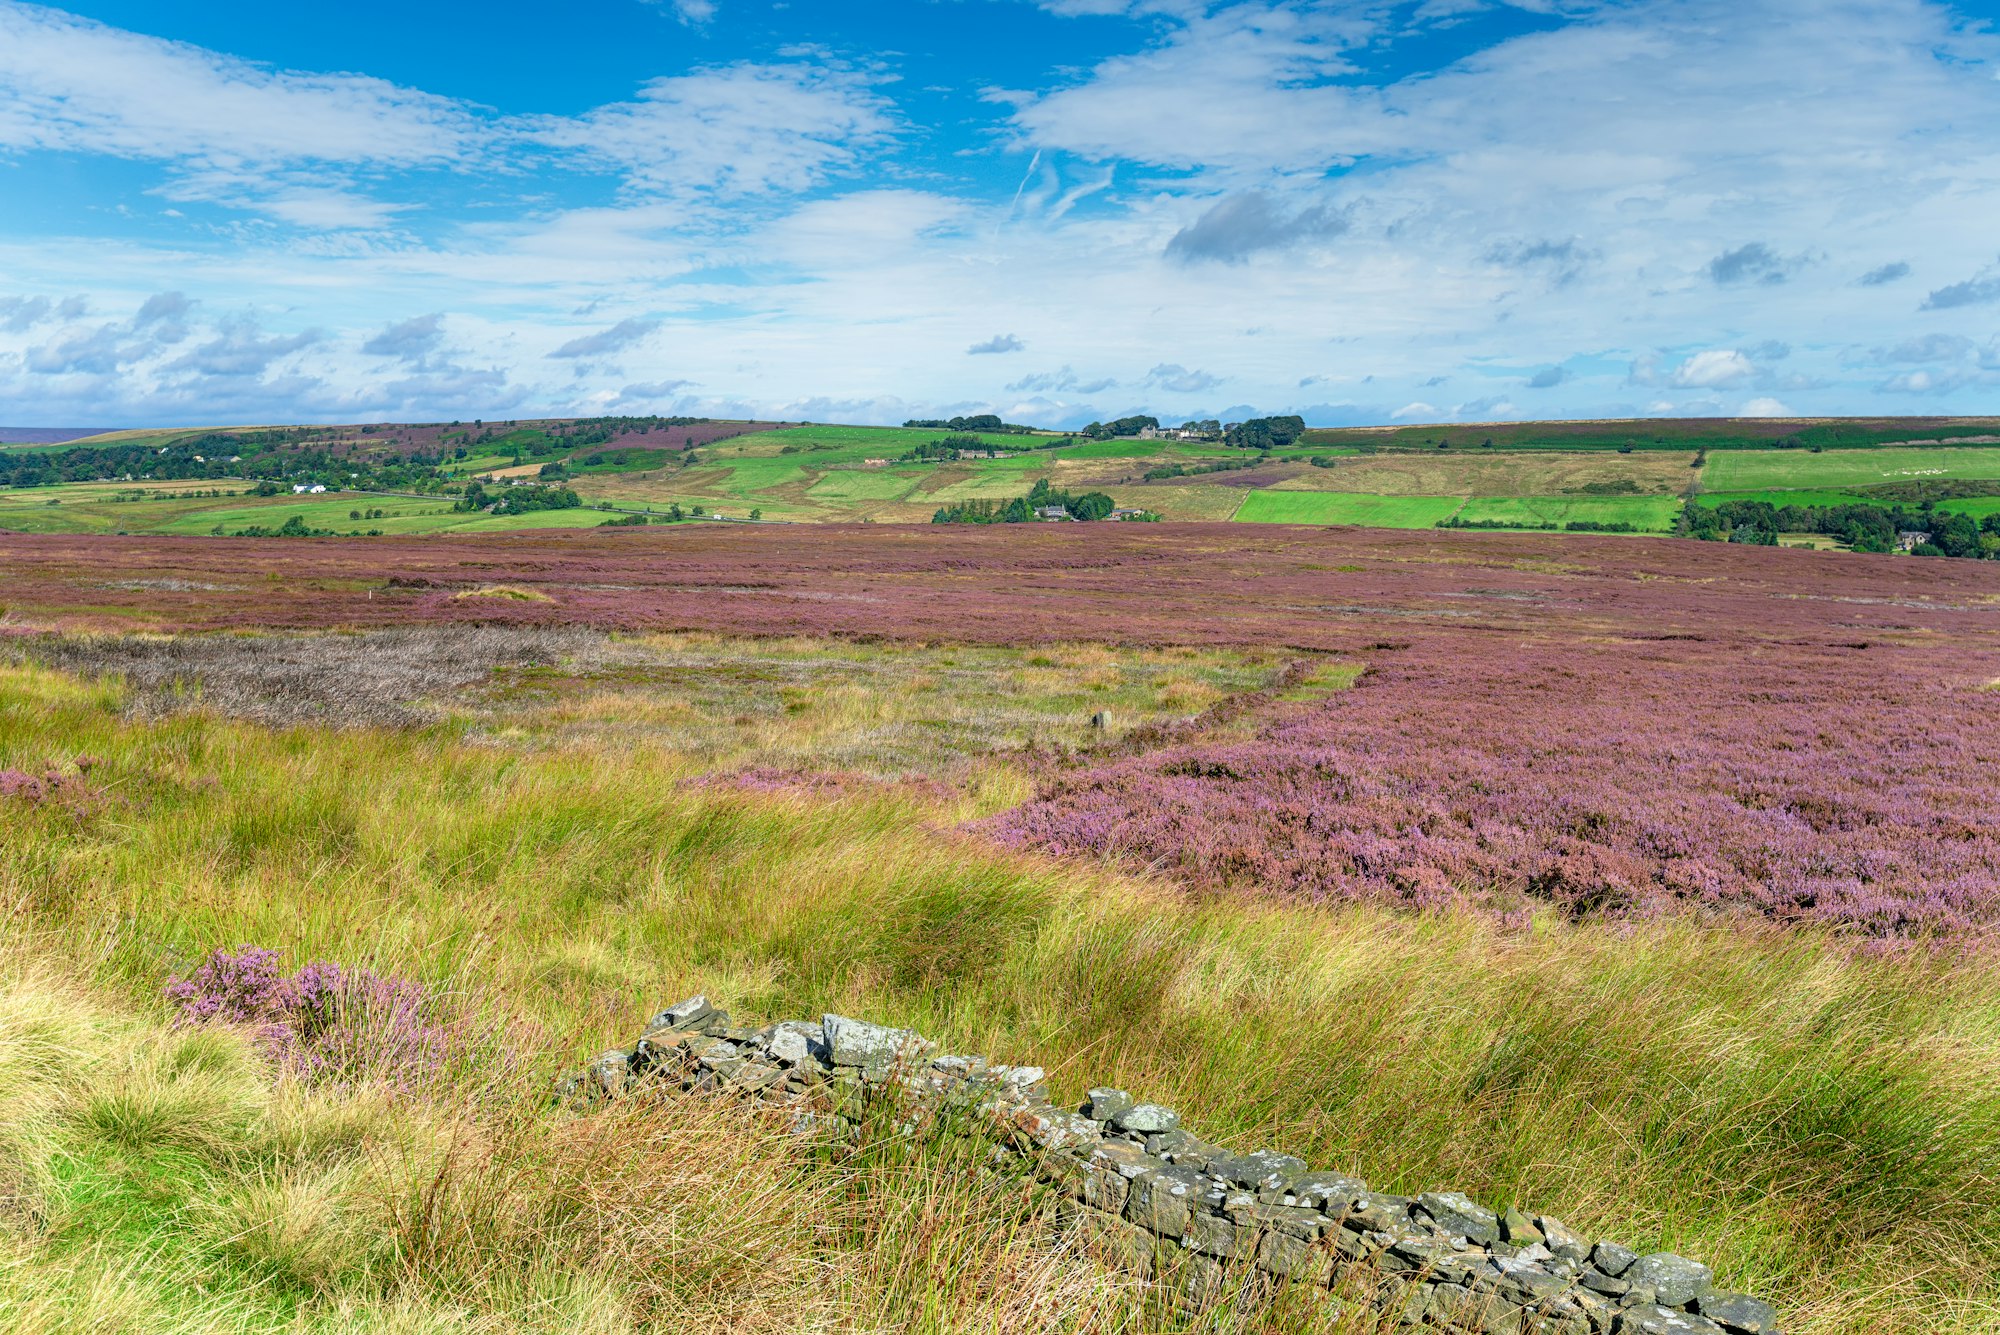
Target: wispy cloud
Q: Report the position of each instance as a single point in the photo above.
(606, 341)
(740, 129)
(1976, 291)
(1245, 224)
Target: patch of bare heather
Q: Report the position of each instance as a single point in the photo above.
(391, 678)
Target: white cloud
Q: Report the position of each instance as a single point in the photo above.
(1715, 369)
(1764, 408)
(70, 84)
(734, 130)
(998, 343)
(694, 13)
(1177, 379)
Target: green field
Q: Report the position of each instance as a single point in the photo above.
(1334, 507)
(89, 507)
(1802, 470)
(1645, 513)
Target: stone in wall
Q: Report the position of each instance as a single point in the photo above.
(1158, 1199)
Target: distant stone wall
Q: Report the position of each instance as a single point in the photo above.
(1158, 1199)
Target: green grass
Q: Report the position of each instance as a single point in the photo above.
(873, 484)
(1813, 497)
(88, 507)
(1646, 513)
(1335, 507)
(1816, 1123)
(1832, 469)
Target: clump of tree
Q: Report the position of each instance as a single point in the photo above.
(1124, 426)
(1087, 507)
(1196, 470)
(527, 500)
(293, 527)
(1542, 526)
(945, 447)
(516, 500)
(1015, 511)
(1865, 528)
(989, 422)
(1265, 433)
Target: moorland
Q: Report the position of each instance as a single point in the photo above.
(1647, 880)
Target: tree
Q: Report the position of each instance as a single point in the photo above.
(1266, 433)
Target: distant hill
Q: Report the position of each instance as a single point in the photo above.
(45, 435)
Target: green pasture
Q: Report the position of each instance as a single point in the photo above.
(90, 507)
(866, 484)
(1646, 513)
(1783, 498)
(1976, 506)
(1801, 470)
(1344, 507)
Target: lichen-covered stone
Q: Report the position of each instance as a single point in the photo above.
(1327, 1191)
(1653, 1319)
(1527, 1280)
(868, 1047)
(1284, 1255)
(1146, 1118)
(1561, 1240)
(1180, 1146)
(609, 1073)
(1518, 1229)
(1051, 1130)
(1104, 1103)
(1376, 1210)
(1612, 1259)
(1162, 1199)
(1740, 1315)
(683, 1015)
(1675, 1280)
(1458, 1213)
(796, 1042)
(1258, 1170)
(1222, 1238)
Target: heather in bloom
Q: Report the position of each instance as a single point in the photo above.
(50, 786)
(322, 1021)
(1603, 779)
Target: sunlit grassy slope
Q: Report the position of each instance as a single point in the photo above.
(1818, 1124)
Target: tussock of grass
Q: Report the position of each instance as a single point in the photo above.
(1818, 1124)
(512, 593)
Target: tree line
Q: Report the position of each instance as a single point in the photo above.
(1865, 528)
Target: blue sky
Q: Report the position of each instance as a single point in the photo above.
(1451, 210)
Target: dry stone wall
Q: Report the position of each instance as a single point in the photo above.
(1159, 1199)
